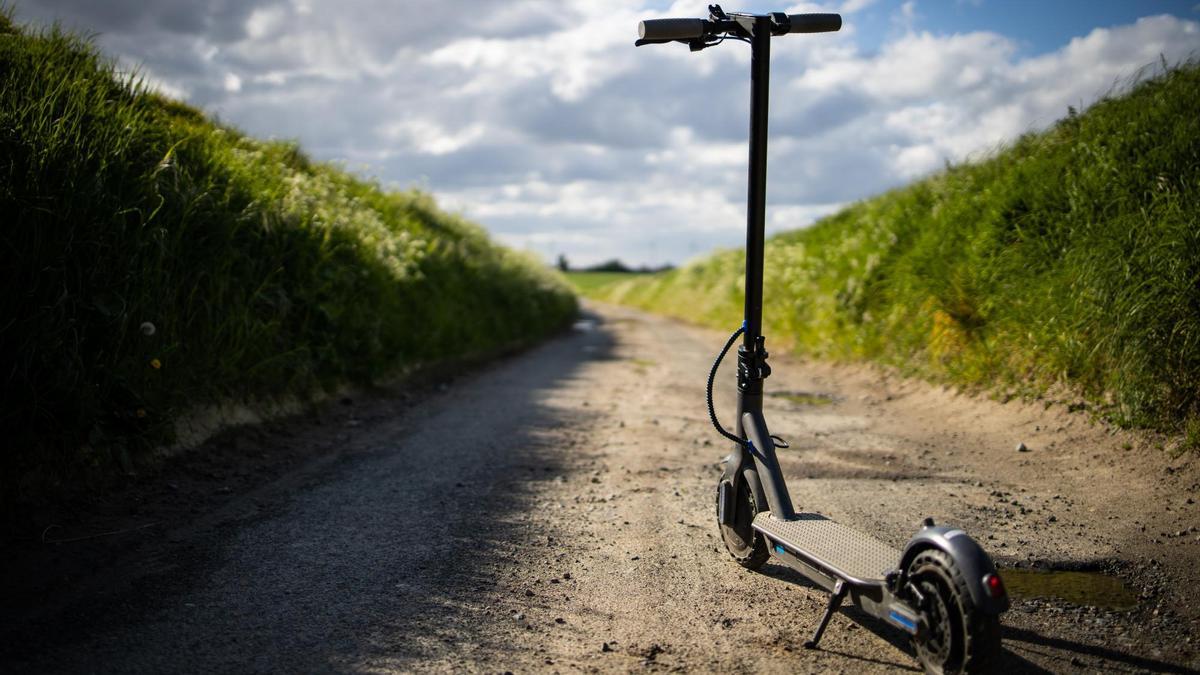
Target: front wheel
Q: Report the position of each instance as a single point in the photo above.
(748, 547)
(955, 636)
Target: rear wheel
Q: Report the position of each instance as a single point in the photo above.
(955, 636)
(748, 547)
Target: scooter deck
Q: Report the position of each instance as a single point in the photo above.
(843, 552)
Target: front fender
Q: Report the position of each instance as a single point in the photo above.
(738, 464)
(967, 554)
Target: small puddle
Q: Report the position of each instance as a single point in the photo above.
(802, 397)
(584, 325)
(1094, 589)
(640, 365)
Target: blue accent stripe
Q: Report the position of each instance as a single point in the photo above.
(903, 621)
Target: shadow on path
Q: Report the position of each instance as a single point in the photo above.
(404, 550)
(1060, 649)
(1109, 655)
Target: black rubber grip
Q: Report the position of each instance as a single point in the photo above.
(671, 29)
(815, 23)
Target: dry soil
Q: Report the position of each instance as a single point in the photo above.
(554, 512)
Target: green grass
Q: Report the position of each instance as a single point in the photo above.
(156, 261)
(1191, 435)
(591, 283)
(1071, 257)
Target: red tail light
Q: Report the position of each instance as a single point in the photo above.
(994, 585)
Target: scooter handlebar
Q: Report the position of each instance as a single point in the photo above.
(815, 23)
(671, 29)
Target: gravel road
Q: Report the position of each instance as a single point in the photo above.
(554, 512)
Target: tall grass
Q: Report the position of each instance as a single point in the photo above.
(1071, 257)
(154, 261)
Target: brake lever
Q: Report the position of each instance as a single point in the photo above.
(642, 42)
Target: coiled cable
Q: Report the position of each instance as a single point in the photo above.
(712, 376)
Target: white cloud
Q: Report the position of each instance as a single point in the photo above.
(427, 136)
(906, 16)
(853, 6)
(948, 98)
(540, 119)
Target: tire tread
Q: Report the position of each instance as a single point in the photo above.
(980, 630)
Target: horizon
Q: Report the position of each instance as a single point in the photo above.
(543, 123)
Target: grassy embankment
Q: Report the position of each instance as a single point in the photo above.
(1072, 257)
(155, 261)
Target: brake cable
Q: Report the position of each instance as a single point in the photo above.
(712, 411)
(712, 376)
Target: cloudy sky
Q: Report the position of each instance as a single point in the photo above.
(541, 120)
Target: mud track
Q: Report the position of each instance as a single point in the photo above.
(554, 512)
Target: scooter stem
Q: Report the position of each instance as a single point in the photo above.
(752, 357)
(756, 200)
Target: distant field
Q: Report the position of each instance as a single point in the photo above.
(588, 283)
(156, 260)
(1070, 258)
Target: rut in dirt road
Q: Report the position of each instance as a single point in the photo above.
(555, 512)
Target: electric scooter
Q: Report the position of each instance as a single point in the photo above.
(942, 589)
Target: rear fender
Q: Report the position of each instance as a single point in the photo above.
(967, 554)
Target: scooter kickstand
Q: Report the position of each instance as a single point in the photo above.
(835, 601)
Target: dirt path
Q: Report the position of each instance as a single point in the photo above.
(555, 512)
